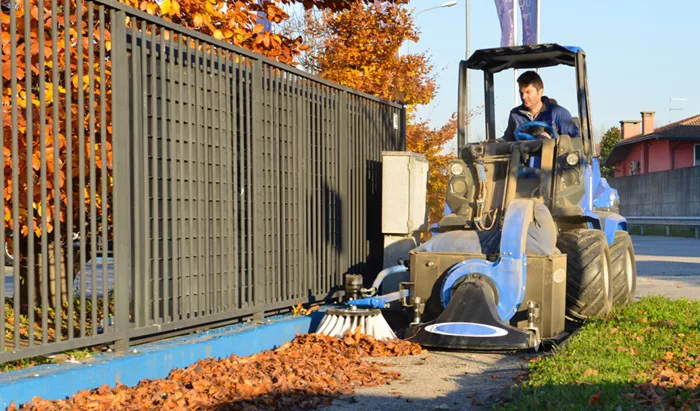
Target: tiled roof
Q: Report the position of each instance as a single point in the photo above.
(686, 129)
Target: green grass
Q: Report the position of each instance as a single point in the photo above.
(606, 364)
(676, 231)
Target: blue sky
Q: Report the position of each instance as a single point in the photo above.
(640, 53)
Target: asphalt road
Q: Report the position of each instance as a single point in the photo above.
(667, 266)
(462, 381)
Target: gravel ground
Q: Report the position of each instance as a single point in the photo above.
(440, 381)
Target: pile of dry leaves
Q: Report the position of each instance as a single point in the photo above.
(303, 374)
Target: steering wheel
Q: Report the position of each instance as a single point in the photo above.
(526, 131)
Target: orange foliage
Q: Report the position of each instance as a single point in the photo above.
(360, 47)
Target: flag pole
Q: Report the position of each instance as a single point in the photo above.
(515, 43)
(468, 88)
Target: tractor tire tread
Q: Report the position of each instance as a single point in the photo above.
(585, 285)
(623, 293)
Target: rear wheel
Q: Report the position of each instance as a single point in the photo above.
(589, 291)
(623, 269)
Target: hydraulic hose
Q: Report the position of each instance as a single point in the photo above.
(387, 272)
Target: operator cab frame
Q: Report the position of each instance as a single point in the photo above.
(488, 175)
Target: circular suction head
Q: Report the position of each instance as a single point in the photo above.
(464, 329)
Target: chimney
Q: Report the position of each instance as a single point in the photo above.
(647, 122)
(630, 128)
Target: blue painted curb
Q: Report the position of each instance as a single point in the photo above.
(154, 360)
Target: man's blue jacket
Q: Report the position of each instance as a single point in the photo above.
(555, 115)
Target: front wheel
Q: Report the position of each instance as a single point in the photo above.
(623, 269)
(589, 290)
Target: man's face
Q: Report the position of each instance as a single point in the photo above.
(530, 96)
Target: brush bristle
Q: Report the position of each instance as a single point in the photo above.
(374, 325)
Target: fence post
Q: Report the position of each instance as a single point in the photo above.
(259, 207)
(121, 197)
(668, 231)
(344, 185)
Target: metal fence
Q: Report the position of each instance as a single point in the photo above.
(229, 184)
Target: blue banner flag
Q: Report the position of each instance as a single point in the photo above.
(528, 12)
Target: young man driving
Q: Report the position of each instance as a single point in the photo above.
(537, 107)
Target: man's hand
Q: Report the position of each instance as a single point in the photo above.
(543, 135)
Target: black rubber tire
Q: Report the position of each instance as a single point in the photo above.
(623, 269)
(588, 282)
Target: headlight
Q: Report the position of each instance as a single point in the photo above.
(456, 169)
(572, 159)
(459, 186)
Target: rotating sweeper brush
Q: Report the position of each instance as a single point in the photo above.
(341, 320)
(362, 309)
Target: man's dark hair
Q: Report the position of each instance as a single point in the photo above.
(531, 77)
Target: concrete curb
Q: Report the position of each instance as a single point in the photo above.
(154, 360)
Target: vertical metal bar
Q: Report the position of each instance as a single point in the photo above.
(192, 151)
(232, 116)
(174, 157)
(165, 99)
(136, 145)
(29, 133)
(308, 187)
(342, 173)
(365, 185)
(217, 168)
(56, 183)
(286, 187)
(229, 174)
(145, 172)
(69, 167)
(327, 187)
(265, 116)
(275, 154)
(81, 168)
(15, 168)
(93, 172)
(250, 102)
(121, 151)
(155, 236)
(198, 172)
(206, 186)
(227, 180)
(335, 192)
(103, 169)
(258, 180)
(43, 178)
(318, 187)
(277, 158)
(297, 176)
(323, 215)
(187, 146)
(357, 199)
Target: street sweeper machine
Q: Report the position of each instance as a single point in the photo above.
(530, 238)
